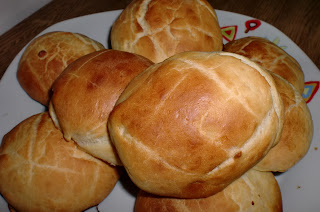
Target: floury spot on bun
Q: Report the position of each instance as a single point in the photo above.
(158, 29)
(254, 191)
(191, 125)
(270, 57)
(46, 57)
(85, 93)
(40, 171)
(296, 134)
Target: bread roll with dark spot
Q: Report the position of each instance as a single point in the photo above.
(46, 57)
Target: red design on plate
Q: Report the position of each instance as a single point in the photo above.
(310, 89)
(252, 25)
(229, 32)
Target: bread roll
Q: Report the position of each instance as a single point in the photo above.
(40, 171)
(296, 133)
(85, 93)
(269, 56)
(46, 57)
(255, 191)
(159, 29)
(191, 125)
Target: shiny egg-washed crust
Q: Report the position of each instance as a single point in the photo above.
(191, 125)
(297, 131)
(269, 56)
(40, 171)
(46, 57)
(254, 191)
(159, 29)
(85, 93)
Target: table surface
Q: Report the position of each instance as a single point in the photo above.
(298, 19)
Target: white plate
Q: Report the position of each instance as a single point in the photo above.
(300, 185)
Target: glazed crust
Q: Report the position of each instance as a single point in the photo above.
(193, 124)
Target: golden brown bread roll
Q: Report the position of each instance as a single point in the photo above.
(85, 93)
(40, 171)
(46, 57)
(254, 191)
(191, 125)
(296, 133)
(159, 29)
(270, 57)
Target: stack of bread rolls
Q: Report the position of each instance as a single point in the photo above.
(196, 125)
(65, 161)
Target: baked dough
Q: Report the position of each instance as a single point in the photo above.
(85, 93)
(254, 191)
(269, 56)
(158, 29)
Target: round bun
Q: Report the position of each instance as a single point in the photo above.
(46, 57)
(159, 29)
(191, 125)
(85, 93)
(297, 131)
(40, 171)
(255, 191)
(269, 56)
